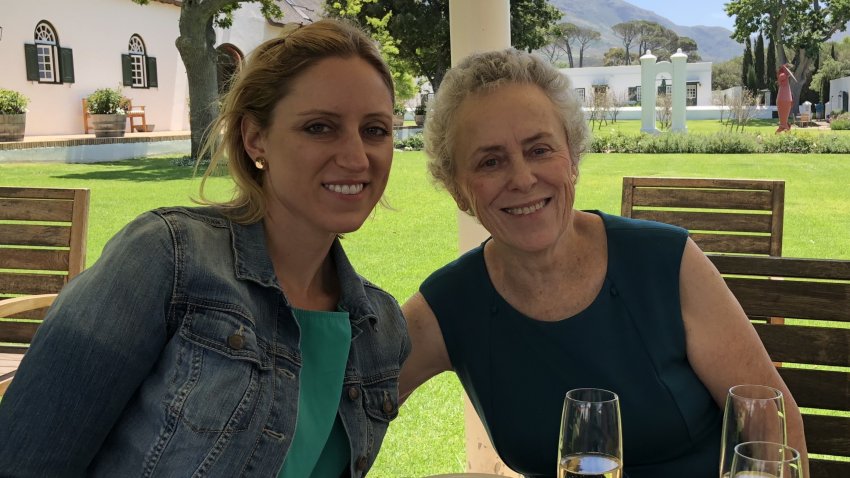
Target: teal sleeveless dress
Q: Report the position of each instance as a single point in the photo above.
(630, 340)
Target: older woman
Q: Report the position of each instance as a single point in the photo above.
(558, 299)
(236, 339)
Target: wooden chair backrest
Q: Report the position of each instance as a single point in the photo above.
(723, 215)
(813, 342)
(86, 125)
(42, 246)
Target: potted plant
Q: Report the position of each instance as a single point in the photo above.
(398, 115)
(13, 115)
(106, 108)
(419, 114)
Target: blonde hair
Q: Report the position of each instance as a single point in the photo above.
(264, 80)
(486, 72)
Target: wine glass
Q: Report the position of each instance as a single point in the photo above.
(761, 459)
(753, 413)
(591, 441)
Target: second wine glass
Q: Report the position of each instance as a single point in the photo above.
(591, 442)
(753, 413)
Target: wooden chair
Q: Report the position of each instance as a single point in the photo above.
(86, 125)
(135, 113)
(815, 293)
(723, 215)
(42, 247)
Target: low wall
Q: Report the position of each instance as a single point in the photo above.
(692, 112)
(91, 150)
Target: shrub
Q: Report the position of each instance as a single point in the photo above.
(840, 122)
(107, 101)
(12, 102)
(411, 143)
(719, 143)
(420, 109)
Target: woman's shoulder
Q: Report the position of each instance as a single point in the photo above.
(620, 225)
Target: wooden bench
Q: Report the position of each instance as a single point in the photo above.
(723, 215)
(42, 247)
(813, 342)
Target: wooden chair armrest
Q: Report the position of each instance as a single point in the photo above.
(17, 305)
(5, 380)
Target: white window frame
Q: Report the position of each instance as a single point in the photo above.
(47, 52)
(138, 62)
(691, 92)
(580, 93)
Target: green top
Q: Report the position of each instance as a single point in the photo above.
(630, 340)
(320, 447)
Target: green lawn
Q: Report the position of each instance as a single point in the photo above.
(399, 247)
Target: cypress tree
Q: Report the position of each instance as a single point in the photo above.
(832, 53)
(758, 63)
(770, 71)
(751, 79)
(747, 62)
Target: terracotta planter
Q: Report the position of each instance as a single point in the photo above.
(398, 120)
(12, 127)
(108, 126)
(420, 119)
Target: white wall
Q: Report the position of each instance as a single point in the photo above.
(620, 78)
(98, 31)
(835, 88)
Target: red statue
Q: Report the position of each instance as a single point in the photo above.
(784, 99)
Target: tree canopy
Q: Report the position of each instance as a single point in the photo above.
(799, 25)
(420, 29)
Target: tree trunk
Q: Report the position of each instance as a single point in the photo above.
(196, 45)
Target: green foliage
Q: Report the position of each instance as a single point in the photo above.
(421, 29)
(759, 63)
(411, 143)
(421, 109)
(107, 101)
(720, 143)
(747, 63)
(840, 122)
(12, 102)
(726, 74)
(830, 70)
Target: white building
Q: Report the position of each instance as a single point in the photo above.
(839, 89)
(57, 52)
(624, 82)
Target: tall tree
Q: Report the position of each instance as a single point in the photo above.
(196, 45)
(616, 56)
(800, 25)
(656, 37)
(689, 46)
(830, 70)
(568, 32)
(627, 32)
(421, 29)
(747, 63)
(758, 62)
(585, 37)
(770, 71)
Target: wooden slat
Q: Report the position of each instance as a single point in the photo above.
(34, 259)
(792, 298)
(807, 345)
(828, 469)
(782, 267)
(708, 221)
(13, 349)
(35, 314)
(36, 193)
(703, 198)
(79, 230)
(732, 243)
(29, 235)
(11, 283)
(827, 435)
(36, 210)
(17, 332)
(818, 388)
(724, 183)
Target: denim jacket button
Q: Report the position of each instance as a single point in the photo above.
(236, 341)
(361, 463)
(353, 393)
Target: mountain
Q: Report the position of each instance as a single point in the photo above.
(713, 42)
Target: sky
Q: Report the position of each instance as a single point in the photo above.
(689, 13)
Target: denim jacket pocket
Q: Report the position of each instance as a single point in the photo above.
(220, 377)
(381, 400)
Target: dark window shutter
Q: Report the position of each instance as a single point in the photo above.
(126, 70)
(66, 65)
(31, 55)
(152, 78)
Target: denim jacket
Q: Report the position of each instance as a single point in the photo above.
(177, 355)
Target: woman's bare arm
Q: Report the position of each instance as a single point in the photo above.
(428, 356)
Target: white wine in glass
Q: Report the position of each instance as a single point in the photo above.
(752, 413)
(760, 459)
(591, 442)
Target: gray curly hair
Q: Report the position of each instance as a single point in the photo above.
(486, 72)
